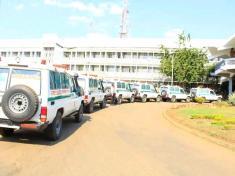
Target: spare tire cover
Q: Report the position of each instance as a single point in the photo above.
(135, 91)
(164, 93)
(108, 90)
(20, 103)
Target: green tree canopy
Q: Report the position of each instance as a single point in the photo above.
(188, 63)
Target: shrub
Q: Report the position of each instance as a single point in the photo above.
(200, 100)
(231, 99)
(222, 104)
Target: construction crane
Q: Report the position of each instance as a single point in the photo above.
(124, 22)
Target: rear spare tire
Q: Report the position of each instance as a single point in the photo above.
(20, 103)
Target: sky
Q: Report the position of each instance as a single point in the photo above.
(204, 19)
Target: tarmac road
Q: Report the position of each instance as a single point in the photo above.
(126, 140)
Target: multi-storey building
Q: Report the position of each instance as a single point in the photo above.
(225, 69)
(125, 59)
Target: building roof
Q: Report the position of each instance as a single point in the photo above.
(105, 42)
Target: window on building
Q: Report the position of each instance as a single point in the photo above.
(110, 68)
(38, 54)
(119, 55)
(126, 55)
(126, 69)
(72, 67)
(14, 54)
(135, 55)
(80, 67)
(81, 54)
(27, 54)
(3, 54)
(102, 68)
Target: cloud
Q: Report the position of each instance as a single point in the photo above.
(99, 9)
(19, 7)
(79, 19)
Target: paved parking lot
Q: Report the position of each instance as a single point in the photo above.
(125, 140)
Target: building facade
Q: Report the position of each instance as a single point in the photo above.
(108, 58)
(225, 68)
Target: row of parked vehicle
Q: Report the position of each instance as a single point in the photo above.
(38, 97)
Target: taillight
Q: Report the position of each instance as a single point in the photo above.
(43, 117)
(86, 97)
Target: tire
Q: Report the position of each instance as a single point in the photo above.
(79, 115)
(107, 90)
(135, 91)
(6, 132)
(119, 100)
(20, 103)
(158, 99)
(173, 99)
(54, 130)
(132, 99)
(90, 107)
(103, 103)
(187, 100)
(144, 99)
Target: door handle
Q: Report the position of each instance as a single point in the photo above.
(52, 103)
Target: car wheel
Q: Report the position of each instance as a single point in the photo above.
(188, 99)
(144, 99)
(119, 100)
(173, 99)
(6, 132)
(79, 115)
(158, 99)
(132, 99)
(103, 103)
(54, 130)
(90, 107)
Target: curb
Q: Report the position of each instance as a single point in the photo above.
(198, 133)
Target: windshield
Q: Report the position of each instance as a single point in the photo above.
(3, 78)
(31, 78)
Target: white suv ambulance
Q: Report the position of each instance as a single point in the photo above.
(145, 92)
(93, 92)
(122, 91)
(37, 97)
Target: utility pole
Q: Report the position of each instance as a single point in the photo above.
(172, 70)
(124, 22)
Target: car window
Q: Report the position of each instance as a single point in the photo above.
(52, 80)
(123, 85)
(177, 89)
(143, 86)
(68, 82)
(182, 91)
(3, 78)
(62, 75)
(95, 83)
(57, 81)
(119, 85)
(30, 78)
(172, 89)
(147, 87)
(212, 92)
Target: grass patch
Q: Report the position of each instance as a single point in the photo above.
(222, 117)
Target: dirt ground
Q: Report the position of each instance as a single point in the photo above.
(130, 139)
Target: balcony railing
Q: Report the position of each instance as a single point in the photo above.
(225, 62)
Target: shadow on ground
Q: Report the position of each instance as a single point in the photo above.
(39, 138)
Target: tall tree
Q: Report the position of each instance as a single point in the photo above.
(187, 63)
